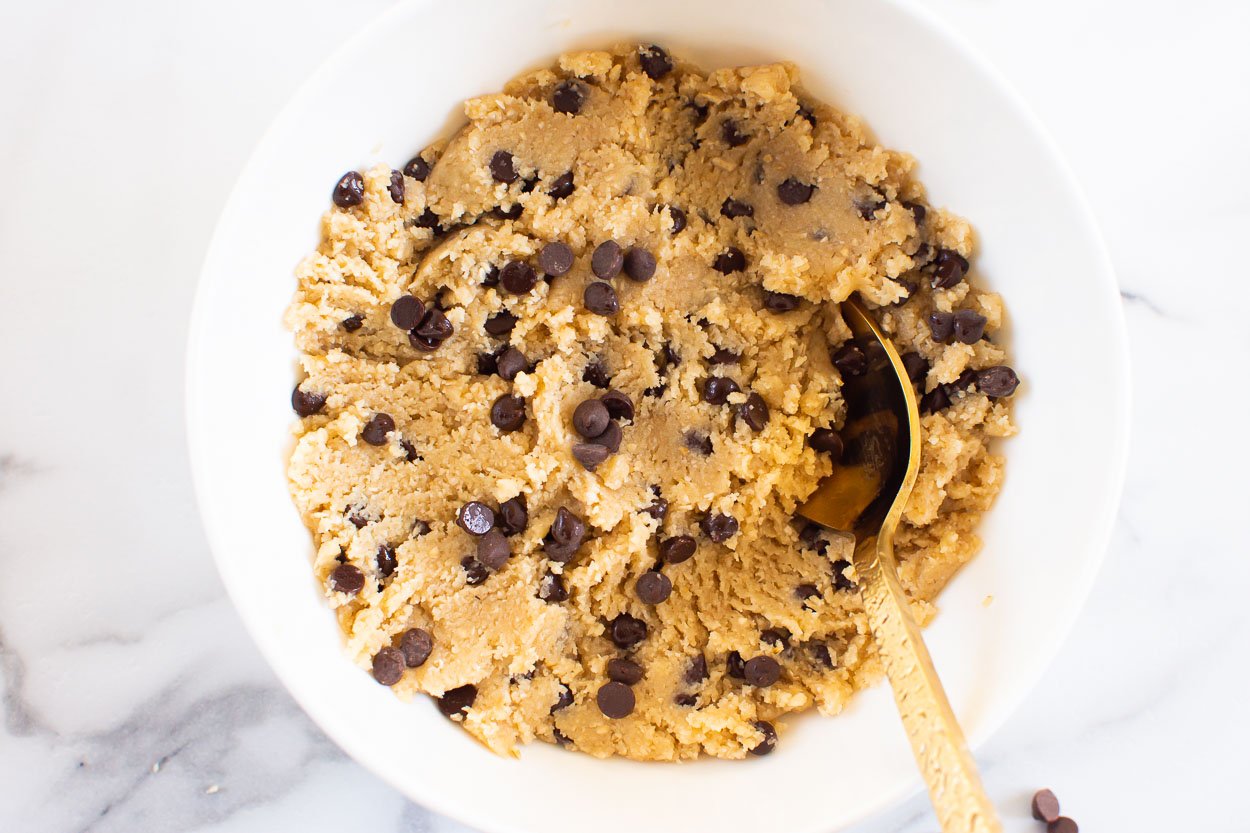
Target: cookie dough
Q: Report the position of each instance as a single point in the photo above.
(568, 374)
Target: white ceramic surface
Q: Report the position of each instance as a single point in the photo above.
(379, 99)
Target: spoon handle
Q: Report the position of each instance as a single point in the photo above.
(938, 743)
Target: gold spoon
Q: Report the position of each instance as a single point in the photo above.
(865, 496)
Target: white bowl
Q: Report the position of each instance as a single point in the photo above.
(395, 87)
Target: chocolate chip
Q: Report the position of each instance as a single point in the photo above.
(949, 268)
(653, 587)
(417, 168)
(850, 360)
(627, 631)
(793, 192)
(762, 672)
(869, 206)
(349, 190)
(487, 364)
(568, 97)
(941, 325)
(840, 579)
(607, 260)
(457, 701)
(827, 441)
(998, 381)
(621, 670)
(518, 277)
(732, 135)
(551, 590)
(493, 550)
(969, 326)
(769, 743)
(357, 519)
(813, 537)
(734, 666)
(1063, 824)
(388, 666)
(720, 528)
(474, 572)
(475, 518)
(502, 167)
(716, 389)
(777, 637)
(420, 528)
(590, 455)
(806, 591)
(416, 645)
(500, 324)
(563, 700)
(434, 328)
(734, 209)
(724, 355)
(696, 441)
(678, 217)
(386, 560)
(508, 413)
(562, 187)
(654, 61)
(658, 508)
(513, 516)
(307, 403)
(696, 670)
(596, 374)
(590, 418)
(555, 259)
(615, 700)
(600, 298)
(567, 528)
(376, 429)
(916, 366)
(407, 312)
(512, 212)
(820, 654)
(917, 211)
(730, 260)
(686, 699)
(396, 187)
(780, 302)
(352, 323)
(639, 264)
(935, 400)
(1045, 806)
(619, 405)
(961, 385)
(805, 112)
(677, 549)
(754, 412)
(510, 363)
(610, 438)
(347, 578)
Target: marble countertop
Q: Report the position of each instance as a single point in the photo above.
(134, 701)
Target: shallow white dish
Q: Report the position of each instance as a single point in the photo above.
(395, 87)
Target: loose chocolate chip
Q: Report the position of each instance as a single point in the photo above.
(562, 187)
(307, 403)
(762, 672)
(734, 666)
(935, 400)
(615, 700)
(512, 212)
(508, 413)
(475, 518)
(1063, 824)
(850, 360)
(733, 209)
(777, 637)
(500, 324)
(780, 302)
(625, 671)
(653, 587)
(487, 364)
(416, 645)
(754, 412)
(457, 701)
(619, 405)
(941, 325)
(793, 192)
(388, 666)
(347, 578)
(502, 167)
(352, 323)
(696, 441)
(600, 298)
(417, 168)
(610, 438)
(424, 343)
(493, 550)
(563, 700)
(1045, 806)
(969, 326)
(730, 260)
(916, 366)
(518, 277)
(551, 589)
(806, 591)
(513, 516)
(677, 549)
(568, 97)
(658, 509)
(427, 219)
(377, 428)
(434, 326)
(474, 572)
(386, 560)
(654, 61)
(678, 217)
(349, 190)
(567, 528)
(724, 355)
(510, 363)
(590, 418)
(827, 441)
(555, 259)
(732, 135)
(997, 381)
(596, 374)
(840, 579)
(949, 268)
(716, 389)
(639, 264)
(627, 631)
(407, 312)
(720, 528)
(590, 455)
(769, 743)
(696, 671)
(607, 260)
